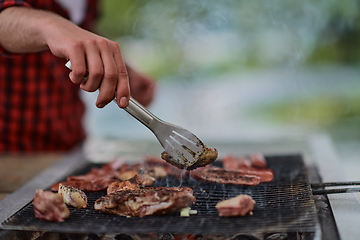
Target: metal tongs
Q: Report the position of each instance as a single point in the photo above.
(183, 146)
(319, 188)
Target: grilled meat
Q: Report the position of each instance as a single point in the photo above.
(231, 162)
(86, 185)
(50, 206)
(122, 186)
(157, 167)
(240, 205)
(266, 175)
(220, 175)
(147, 201)
(255, 160)
(73, 196)
(126, 175)
(114, 165)
(258, 160)
(94, 174)
(255, 166)
(208, 156)
(127, 171)
(144, 180)
(156, 171)
(134, 183)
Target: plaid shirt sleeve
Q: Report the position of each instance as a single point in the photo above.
(10, 3)
(40, 108)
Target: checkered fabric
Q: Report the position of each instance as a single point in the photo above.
(40, 108)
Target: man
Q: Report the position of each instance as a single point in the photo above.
(40, 108)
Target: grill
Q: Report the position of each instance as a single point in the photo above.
(284, 205)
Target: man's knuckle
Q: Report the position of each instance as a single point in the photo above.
(112, 76)
(123, 72)
(90, 87)
(115, 46)
(102, 42)
(98, 74)
(76, 45)
(79, 73)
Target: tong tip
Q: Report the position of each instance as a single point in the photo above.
(206, 157)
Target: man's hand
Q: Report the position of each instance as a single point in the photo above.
(142, 87)
(25, 30)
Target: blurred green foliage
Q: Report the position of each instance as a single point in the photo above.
(182, 35)
(191, 40)
(337, 114)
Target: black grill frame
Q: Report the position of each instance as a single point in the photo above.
(284, 205)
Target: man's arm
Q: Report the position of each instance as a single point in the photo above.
(24, 30)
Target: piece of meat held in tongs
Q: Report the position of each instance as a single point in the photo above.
(208, 156)
(73, 196)
(146, 201)
(50, 206)
(240, 205)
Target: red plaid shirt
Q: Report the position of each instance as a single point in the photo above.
(40, 108)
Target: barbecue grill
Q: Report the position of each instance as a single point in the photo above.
(285, 208)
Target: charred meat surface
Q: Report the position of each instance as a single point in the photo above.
(266, 175)
(208, 156)
(147, 201)
(240, 205)
(73, 196)
(122, 186)
(141, 180)
(220, 175)
(50, 206)
(144, 180)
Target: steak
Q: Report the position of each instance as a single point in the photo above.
(240, 205)
(255, 160)
(50, 206)
(142, 180)
(155, 165)
(220, 175)
(231, 162)
(73, 196)
(146, 201)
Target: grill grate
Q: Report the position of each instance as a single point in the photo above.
(284, 205)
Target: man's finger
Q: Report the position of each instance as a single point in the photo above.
(78, 67)
(109, 81)
(122, 89)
